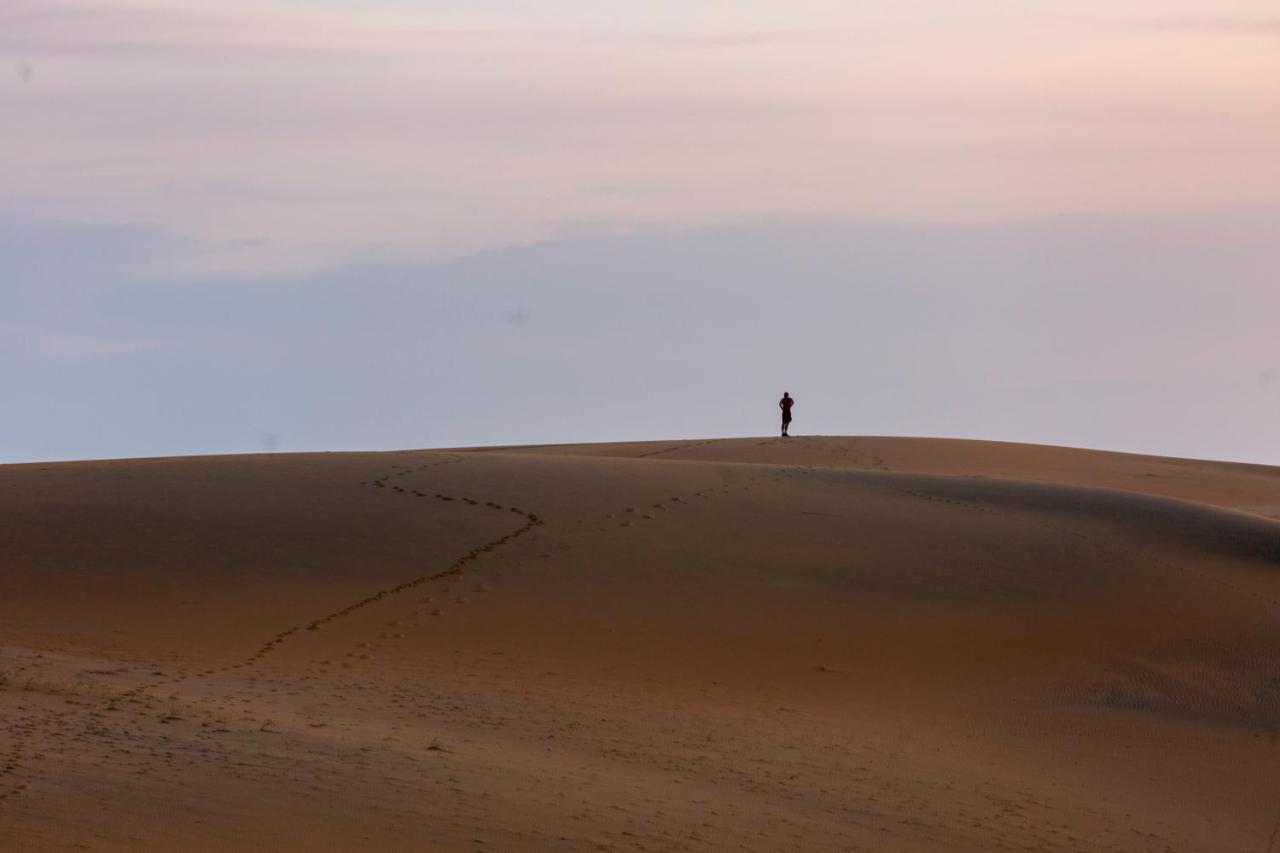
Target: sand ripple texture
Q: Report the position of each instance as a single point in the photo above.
(817, 643)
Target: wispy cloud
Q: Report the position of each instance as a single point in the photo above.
(318, 129)
(718, 40)
(60, 26)
(56, 345)
(137, 26)
(1224, 25)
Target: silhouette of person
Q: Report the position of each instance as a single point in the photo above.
(785, 404)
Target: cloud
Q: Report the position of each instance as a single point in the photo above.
(1224, 25)
(133, 27)
(138, 27)
(55, 345)
(718, 40)
(320, 129)
(42, 256)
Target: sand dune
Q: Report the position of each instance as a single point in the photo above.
(819, 643)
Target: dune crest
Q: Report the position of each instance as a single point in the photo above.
(817, 643)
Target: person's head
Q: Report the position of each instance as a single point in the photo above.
(786, 393)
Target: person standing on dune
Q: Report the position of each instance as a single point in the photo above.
(785, 404)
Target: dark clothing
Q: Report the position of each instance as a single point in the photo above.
(785, 404)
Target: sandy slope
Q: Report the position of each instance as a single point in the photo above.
(823, 643)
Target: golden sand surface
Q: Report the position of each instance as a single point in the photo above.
(817, 643)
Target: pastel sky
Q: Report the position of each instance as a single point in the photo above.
(294, 129)
(193, 146)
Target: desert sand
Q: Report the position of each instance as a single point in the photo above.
(820, 643)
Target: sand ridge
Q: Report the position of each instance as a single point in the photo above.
(678, 645)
